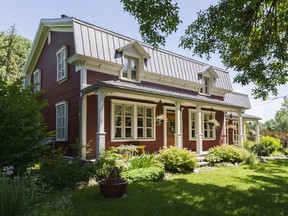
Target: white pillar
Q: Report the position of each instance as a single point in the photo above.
(199, 135)
(178, 134)
(257, 132)
(224, 131)
(100, 135)
(83, 132)
(244, 131)
(240, 129)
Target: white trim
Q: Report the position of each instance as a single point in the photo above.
(190, 111)
(65, 135)
(62, 76)
(84, 127)
(35, 74)
(49, 38)
(165, 108)
(134, 106)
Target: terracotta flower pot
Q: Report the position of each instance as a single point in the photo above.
(115, 190)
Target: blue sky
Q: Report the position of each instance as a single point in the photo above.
(109, 14)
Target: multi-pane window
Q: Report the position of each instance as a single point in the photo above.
(144, 122)
(61, 121)
(37, 80)
(129, 70)
(62, 64)
(192, 125)
(235, 132)
(209, 129)
(205, 88)
(132, 121)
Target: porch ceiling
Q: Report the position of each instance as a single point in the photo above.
(159, 93)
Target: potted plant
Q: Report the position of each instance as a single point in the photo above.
(113, 186)
(213, 122)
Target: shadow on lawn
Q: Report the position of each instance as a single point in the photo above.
(180, 197)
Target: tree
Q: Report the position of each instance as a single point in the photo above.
(13, 52)
(249, 35)
(22, 128)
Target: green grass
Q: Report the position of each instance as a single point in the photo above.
(245, 190)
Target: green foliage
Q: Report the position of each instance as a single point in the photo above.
(22, 128)
(13, 53)
(64, 172)
(177, 159)
(231, 154)
(271, 143)
(260, 150)
(13, 201)
(250, 36)
(148, 174)
(144, 161)
(157, 19)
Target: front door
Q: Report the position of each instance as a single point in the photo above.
(170, 128)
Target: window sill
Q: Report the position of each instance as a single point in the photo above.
(62, 80)
(133, 140)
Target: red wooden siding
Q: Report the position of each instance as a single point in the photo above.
(55, 92)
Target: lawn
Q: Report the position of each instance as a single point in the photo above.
(244, 190)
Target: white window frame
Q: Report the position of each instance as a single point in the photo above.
(194, 112)
(62, 118)
(37, 80)
(129, 69)
(235, 133)
(208, 113)
(135, 106)
(203, 113)
(205, 89)
(62, 71)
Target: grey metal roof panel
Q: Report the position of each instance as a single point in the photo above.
(238, 99)
(159, 91)
(99, 43)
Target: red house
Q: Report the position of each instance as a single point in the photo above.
(107, 89)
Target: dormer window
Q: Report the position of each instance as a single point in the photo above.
(134, 57)
(129, 70)
(208, 76)
(205, 88)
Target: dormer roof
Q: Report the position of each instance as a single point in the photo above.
(134, 49)
(209, 72)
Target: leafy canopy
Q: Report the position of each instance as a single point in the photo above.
(249, 35)
(13, 52)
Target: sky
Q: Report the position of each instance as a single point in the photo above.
(109, 14)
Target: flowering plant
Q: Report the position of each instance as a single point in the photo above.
(160, 119)
(213, 122)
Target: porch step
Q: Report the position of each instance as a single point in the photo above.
(201, 159)
(203, 164)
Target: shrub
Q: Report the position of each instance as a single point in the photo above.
(149, 174)
(64, 172)
(224, 153)
(178, 160)
(248, 157)
(260, 150)
(22, 127)
(273, 144)
(231, 154)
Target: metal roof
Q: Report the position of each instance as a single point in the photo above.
(238, 99)
(244, 115)
(96, 42)
(138, 87)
